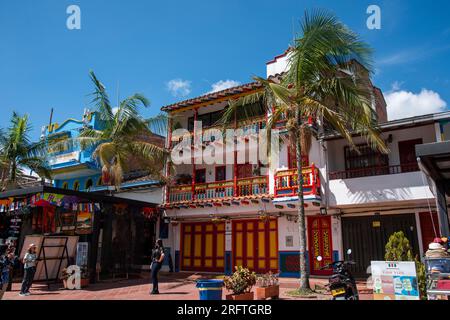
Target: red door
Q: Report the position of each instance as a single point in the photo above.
(244, 170)
(255, 245)
(203, 246)
(407, 151)
(319, 240)
(429, 227)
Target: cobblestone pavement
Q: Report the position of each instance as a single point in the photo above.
(173, 286)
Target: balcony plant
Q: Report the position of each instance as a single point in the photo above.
(240, 284)
(267, 286)
(327, 81)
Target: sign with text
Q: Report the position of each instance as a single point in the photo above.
(394, 280)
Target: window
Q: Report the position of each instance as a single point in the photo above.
(200, 176)
(65, 185)
(221, 173)
(368, 162)
(250, 111)
(208, 119)
(76, 186)
(89, 184)
(407, 152)
(211, 119)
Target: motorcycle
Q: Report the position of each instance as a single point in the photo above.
(341, 283)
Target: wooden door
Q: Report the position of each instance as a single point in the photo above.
(203, 247)
(255, 245)
(407, 152)
(429, 227)
(244, 170)
(320, 244)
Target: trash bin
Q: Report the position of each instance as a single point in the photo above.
(210, 289)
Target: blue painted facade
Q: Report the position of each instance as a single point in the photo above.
(73, 168)
(288, 261)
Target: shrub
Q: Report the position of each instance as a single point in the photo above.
(267, 280)
(241, 281)
(399, 249)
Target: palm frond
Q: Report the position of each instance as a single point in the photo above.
(101, 100)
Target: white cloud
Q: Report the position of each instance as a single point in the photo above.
(223, 84)
(179, 88)
(404, 104)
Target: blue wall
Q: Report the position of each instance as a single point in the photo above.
(82, 181)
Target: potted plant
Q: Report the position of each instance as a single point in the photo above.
(240, 284)
(267, 286)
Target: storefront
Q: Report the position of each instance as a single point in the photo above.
(367, 237)
(203, 246)
(118, 233)
(255, 244)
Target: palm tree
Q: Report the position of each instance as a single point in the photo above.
(17, 152)
(123, 136)
(327, 79)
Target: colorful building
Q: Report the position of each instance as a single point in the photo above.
(246, 214)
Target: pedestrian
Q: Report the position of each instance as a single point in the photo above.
(157, 259)
(6, 265)
(29, 261)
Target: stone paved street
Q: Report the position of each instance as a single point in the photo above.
(175, 286)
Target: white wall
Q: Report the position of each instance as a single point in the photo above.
(154, 195)
(279, 66)
(336, 147)
(373, 189)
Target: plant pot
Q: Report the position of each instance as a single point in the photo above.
(242, 296)
(263, 293)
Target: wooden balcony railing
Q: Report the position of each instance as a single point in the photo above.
(374, 171)
(286, 182)
(219, 189)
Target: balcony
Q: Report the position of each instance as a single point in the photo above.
(374, 171)
(219, 189)
(286, 182)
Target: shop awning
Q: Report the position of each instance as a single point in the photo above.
(88, 196)
(435, 157)
(434, 160)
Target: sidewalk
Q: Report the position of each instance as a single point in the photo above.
(173, 286)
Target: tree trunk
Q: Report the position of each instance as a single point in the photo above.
(304, 273)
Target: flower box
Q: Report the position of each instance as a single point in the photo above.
(242, 296)
(263, 293)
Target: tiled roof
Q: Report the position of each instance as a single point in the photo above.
(213, 96)
(209, 97)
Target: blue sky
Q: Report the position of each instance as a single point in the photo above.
(191, 46)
